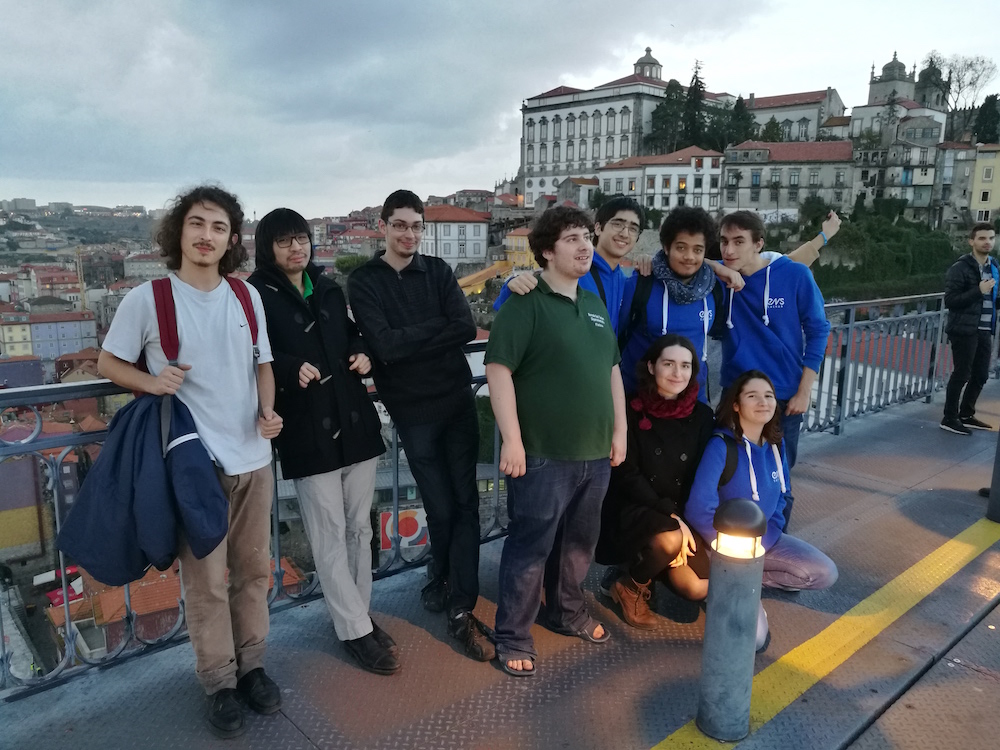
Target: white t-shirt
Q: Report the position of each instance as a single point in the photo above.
(220, 389)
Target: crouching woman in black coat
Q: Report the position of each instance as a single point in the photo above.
(332, 440)
(641, 523)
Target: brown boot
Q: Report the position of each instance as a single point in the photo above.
(634, 600)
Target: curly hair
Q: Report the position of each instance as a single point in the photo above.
(168, 231)
(690, 220)
(646, 381)
(726, 416)
(550, 226)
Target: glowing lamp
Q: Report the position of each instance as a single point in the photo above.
(739, 526)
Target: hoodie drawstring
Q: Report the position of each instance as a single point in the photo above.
(729, 317)
(666, 303)
(767, 294)
(704, 325)
(753, 474)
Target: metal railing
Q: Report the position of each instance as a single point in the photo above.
(879, 352)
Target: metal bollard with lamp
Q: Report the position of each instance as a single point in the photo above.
(734, 584)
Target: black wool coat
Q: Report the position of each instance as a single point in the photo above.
(331, 423)
(652, 482)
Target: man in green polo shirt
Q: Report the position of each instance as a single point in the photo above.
(552, 369)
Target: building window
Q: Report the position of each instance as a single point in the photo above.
(631, 185)
(803, 130)
(447, 248)
(597, 148)
(666, 182)
(907, 155)
(754, 195)
(698, 182)
(583, 123)
(983, 215)
(838, 196)
(624, 147)
(696, 200)
(528, 184)
(626, 119)
(446, 230)
(775, 176)
(607, 186)
(713, 201)
(699, 163)
(731, 195)
(793, 178)
(557, 127)
(838, 178)
(935, 132)
(583, 148)
(531, 130)
(682, 183)
(714, 182)
(556, 149)
(755, 178)
(651, 201)
(619, 184)
(569, 151)
(611, 121)
(680, 200)
(461, 249)
(650, 183)
(543, 154)
(665, 201)
(793, 195)
(813, 177)
(531, 155)
(734, 178)
(786, 130)
(609, 148)
(715, 162)
(544, 128)
(570, 126)
(774, 194)
(923, 156)
(987, 174)
(477, 230)
(923, 172)
(541, 182)
(984, 197)
(597, 123)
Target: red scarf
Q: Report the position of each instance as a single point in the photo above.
(653, 404)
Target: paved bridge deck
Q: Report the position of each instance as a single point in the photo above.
(903, 652)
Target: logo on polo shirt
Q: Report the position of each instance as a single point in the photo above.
(775, 302)
(597, 320)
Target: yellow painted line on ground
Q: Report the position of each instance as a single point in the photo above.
(777, 686)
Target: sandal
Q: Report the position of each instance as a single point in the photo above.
(587, 632)
(502, 659)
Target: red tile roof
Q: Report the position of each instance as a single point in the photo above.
(684, 156)
(558, 91)
(454, 214)
(787, 100)
(20, 358)
(88, 353)
(519, 232)
(63, 317)
(361, 234)
(146, 256)
(955, 145)
(126, 284)
(836, 122)
(806, 151)
(584, 180)
(507, 199)
(635, 79)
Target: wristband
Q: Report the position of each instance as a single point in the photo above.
(823, 235)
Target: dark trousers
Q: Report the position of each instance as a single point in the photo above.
(442, 456)
(971, 355)
(790, 428)
(555, 519)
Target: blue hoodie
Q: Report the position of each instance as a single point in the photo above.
(614, 288)
(769, 477)
(693, 320)
(766, 322)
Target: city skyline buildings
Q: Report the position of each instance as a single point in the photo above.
(328, 109)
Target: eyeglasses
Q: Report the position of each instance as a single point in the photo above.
(400, 227)
(619, 224)
(283, 242)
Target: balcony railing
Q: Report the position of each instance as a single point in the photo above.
(879, 353)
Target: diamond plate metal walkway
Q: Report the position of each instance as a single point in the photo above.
(878, 499)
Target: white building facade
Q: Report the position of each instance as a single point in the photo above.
(454, 234)
(689, 177)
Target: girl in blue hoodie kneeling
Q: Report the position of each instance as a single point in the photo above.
(748, 415)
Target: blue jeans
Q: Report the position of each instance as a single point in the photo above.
(792, 564)
(442, 456)
(555, 519)
(790, 428)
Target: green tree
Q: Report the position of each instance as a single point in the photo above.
(347, 263)
(988, 121)
(665, 128)
(654, 217)
(719, 128)
(868, 140)
(597, 199)
(771, 132)
(812, 211)
(743, 124)
(693, 122)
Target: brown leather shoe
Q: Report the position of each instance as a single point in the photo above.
(634, 600)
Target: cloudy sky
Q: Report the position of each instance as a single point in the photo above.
(329, 106)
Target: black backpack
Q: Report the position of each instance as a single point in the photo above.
(636, 317)
(731, 459)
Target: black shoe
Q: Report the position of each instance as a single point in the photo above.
(984, 492)
(974, 424)
(611, 575)
(225, 715)
(956, 426)
(371, 655)
(259, 691)
(465, 628)
(384, 639)
(434, 595)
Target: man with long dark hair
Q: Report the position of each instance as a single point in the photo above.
(228, 386)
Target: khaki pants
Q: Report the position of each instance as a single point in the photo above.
(336, 511)
(228, 623)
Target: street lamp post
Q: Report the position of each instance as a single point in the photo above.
(729, 647)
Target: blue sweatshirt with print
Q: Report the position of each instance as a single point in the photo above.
(766, 323)
(706, 495)
(684, 320)
(612, 280)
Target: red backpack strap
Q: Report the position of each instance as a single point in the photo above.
(243, 295)
(166, 319)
